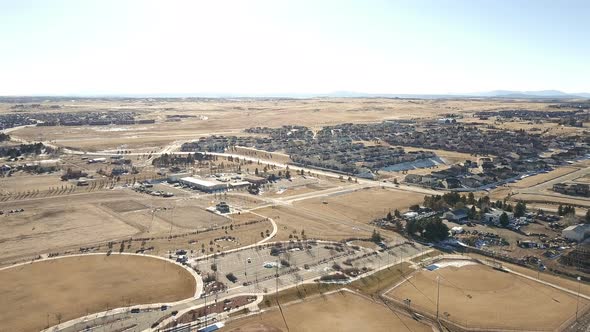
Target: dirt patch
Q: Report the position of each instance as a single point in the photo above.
(42, 293)
(125, 206)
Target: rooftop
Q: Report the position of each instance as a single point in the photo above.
(201, 182)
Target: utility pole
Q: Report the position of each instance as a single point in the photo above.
(437, 294)
(578, 298)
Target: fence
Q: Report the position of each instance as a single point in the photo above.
(456, 324)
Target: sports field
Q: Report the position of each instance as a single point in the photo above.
(478, 296)
(342, 311)
(35, 296)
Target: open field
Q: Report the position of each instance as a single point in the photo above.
(88, 219)
(292, 221)
(554, 198)
(478, 296)
(44, 228)
(450, 157)
(47, 292)
(341, 311)
(191, 217)
(545, 276)
(362, 205)
(541, 178)
(342, 216)
(298, 185)
(22, 182)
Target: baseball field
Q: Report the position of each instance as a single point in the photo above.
(478, 296)
(42, 294)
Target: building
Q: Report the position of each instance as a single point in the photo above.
(177, 176)
(222, 207)
(574, 189)
(97, 160)
(493, 217)
(458, 216)
(255, 179)
(239, 184)
(576, 232)
(203, 185)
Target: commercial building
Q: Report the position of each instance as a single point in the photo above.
(203, 185)
(255, 179)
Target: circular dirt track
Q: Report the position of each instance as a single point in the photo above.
(35, 296)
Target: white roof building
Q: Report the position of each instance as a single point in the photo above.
(203, 185)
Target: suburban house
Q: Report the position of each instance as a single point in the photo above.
(458, 216)
(493, 217)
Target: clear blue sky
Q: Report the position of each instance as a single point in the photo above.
(299, 46)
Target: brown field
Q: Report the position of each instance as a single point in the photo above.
(362, 205)
(546, 276)
(451, 157)
(21, 182)
(292, 221)
(57, 224)
(241, 200)
(541, 178)
(45, 293)
(44, 228)
(191, 217)
(553, 199)
(477, 296)
(125, 206)
(341, 311)
(344, 216)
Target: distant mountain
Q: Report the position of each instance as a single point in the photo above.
(548, 94)
(530, 94)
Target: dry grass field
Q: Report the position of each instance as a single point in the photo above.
(191, 217)
(21, 182)
(86, 219)
(541, 178)
(342, 216)
(362, 205)
(477, 296)
(553, 198)
(43, 228)
(44, 293)
(341, 311)
(451, 157)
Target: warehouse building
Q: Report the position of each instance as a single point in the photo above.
(576, 232)
(204, 185)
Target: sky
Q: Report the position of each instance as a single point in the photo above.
(109, 47)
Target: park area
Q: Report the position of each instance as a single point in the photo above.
(41, 294)
(341, 311)
(477, 296)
